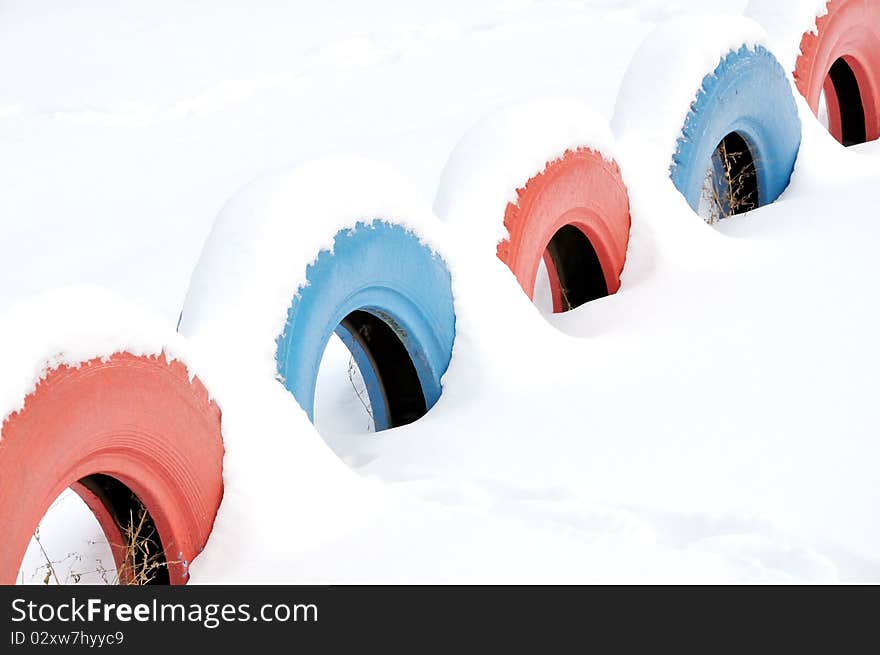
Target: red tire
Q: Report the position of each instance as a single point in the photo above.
(582, 190)
(849, 32)
(118, 432)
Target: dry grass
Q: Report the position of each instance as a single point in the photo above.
(143, 558)
(736, 191)
(53, 569)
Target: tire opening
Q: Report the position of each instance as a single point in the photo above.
(731, 183)
(397, 380)
(573, 269)
(144, 560)
(71, 546)
(367, 374)
(849, 101)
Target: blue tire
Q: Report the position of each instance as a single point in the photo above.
(389, 298)
(747, 94)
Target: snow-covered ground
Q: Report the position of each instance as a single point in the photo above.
(716, 420)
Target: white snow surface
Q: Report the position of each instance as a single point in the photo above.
(667, 72)
(507, 148)
(714, 421)
(786, 23)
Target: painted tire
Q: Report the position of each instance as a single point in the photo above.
(110, 429)
(379, 289)
(535, 181)
(748, 94)
(849, 31)
(582, 190)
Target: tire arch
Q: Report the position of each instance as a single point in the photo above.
(535, 181)
(849, 31)
(747, 94)
(377, 269)
(337, 223)
(141, 421)
(581, 189)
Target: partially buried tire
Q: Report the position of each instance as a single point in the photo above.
(574, 216)
(744, 106)
(138, 440)
(842, 58)
(732, 130)
(339, 245)
(388, 297)
(570, 207)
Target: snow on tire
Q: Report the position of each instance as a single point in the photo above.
(539, 181)
(339, 245)
(130, 430)
(701, 87)
(838, 55)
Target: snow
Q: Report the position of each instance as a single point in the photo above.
(285, 491)
(340, 408)
(786, 23)
(507, 148)
(72, 540)
(714, 421)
